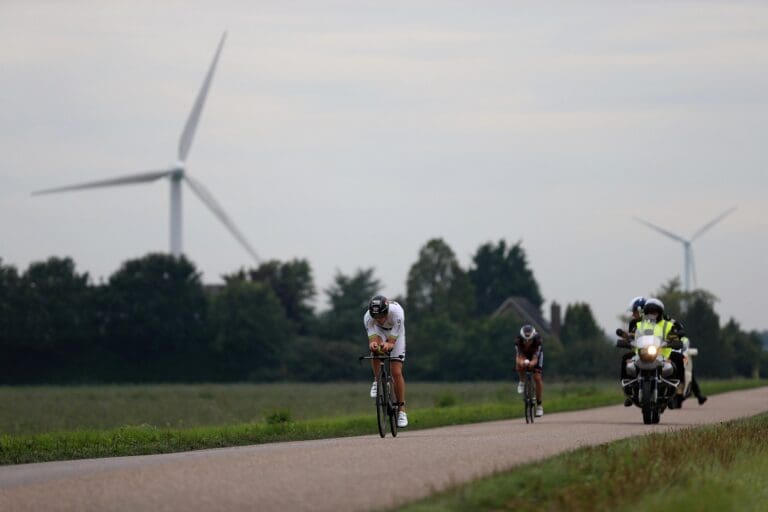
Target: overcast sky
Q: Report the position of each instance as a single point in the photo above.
(350, 133)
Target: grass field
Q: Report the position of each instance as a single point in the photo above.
(34, 410)
(59, 423)
(718, 468)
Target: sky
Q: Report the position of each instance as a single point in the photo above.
(351, 133)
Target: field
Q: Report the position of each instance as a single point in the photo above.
(34, 410)
(59, 423)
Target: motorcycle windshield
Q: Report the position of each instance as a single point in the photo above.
(646, 334)
(647, 341)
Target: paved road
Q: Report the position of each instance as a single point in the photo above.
(336, 474)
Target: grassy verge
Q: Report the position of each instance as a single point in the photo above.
(279, 425)
(722, 467)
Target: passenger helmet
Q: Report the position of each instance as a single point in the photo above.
(378, 306)
(637, 304)
(527, 332)
(654, 307)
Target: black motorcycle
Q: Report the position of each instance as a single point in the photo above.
(649, 383)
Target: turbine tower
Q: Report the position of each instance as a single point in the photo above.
(689, 266)
(177, 174)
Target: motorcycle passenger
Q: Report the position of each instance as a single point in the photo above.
(529, 354)
(636, 310)
(694, 385)
(385, 324)
(667, 329)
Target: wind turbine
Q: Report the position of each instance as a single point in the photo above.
(176, 173)
(690, 267)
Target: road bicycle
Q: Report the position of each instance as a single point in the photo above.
(387, 405)
(529, 396)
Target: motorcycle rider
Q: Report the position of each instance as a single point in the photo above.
(668, 329)
(530, 355)
(636, 310)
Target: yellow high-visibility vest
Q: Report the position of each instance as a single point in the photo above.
(660, 329)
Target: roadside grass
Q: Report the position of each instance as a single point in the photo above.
(721, 467)
(106, 418)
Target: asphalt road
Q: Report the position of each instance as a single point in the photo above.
(336, 474)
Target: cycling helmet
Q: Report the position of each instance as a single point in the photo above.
(654, 307)
(527, 332)
(378, 306)
(637, 304)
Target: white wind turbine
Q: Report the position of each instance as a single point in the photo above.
(176, 173)
(690, 267)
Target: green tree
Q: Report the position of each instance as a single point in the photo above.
(54, 298)
(348, 297)
(9, 306)
(500, 272)
(251, 331)
(747, 349)
(292, 283)
(154, 316)
(579, 324)
(437, 284)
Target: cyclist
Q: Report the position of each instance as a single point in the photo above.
(530, 355)
(385, 324)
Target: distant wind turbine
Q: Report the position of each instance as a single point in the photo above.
(690, 267)
(176, 173)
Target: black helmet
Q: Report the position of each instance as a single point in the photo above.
(527, 332)
(654, 307)
(378, 306)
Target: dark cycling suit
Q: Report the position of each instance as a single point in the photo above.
(531, 351)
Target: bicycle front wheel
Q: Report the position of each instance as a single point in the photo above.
(381, 408)
(530, 401)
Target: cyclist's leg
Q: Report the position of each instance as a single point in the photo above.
(375, 365)
(539, 385)
(537, 377)
(397, 370)
(399, 381)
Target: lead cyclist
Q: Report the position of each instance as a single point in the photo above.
(385, 324)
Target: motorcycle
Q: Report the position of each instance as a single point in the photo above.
(650, 383)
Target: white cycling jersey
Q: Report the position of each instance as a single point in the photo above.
(394, 327)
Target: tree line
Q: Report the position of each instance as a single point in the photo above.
(154, 320)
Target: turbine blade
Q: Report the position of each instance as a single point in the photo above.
(194, 116)
(217, 210)
(662, 231)
(711, 223)
(693, 269)
(122, 180)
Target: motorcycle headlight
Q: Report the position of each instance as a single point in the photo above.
(648, 354)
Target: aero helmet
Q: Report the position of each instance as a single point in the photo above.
(378, 306)
(527, 332)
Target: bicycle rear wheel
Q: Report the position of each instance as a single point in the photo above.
(381, 407)
(392, 401)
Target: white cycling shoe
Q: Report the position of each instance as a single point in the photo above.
(539, 411)
(374, 389)
(520, 387)
(402, 420)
